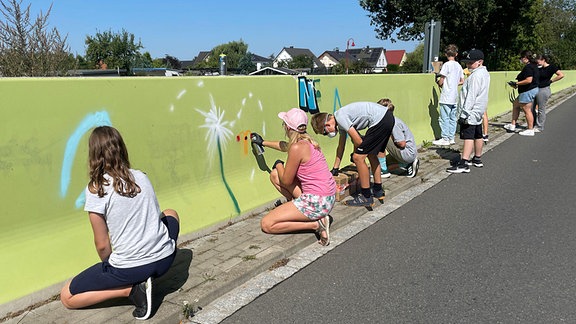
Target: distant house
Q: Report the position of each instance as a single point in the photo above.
(275, 71)
(375, 57)
(331, 58)
(260, 61)
(289, 53)
(397, 57)
(203, 56)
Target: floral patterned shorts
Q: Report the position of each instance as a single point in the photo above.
(314, 206)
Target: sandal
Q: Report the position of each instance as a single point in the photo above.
(324, 241)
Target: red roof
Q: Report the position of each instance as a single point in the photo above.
(394, 56)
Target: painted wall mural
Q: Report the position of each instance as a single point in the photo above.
(189, 134)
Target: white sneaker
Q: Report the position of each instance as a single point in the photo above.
(452, 141)
(524, 125)
(385, 175)
(441, 142)
(510, 127)
(528, 132)
(537, 130)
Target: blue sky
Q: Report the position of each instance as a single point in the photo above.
(182, 28)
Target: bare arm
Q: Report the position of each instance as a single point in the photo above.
(277, 145)
(440, 81)
(340, 150)
(299, 153)
(101, 238)
(559, 76)
(526, 81)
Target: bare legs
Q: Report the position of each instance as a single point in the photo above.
(527, 108)
(286, 218)
(363, 171)
(290, 192)
(472, 145)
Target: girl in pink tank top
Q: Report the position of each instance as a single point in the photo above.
(304, 180)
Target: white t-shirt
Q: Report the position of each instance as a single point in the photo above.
(452, 72)
(137, 235)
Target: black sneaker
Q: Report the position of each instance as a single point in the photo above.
(141, 296)
(412, 169)
(378, 194)
(460, 168)
(475, 162)
(360, 201)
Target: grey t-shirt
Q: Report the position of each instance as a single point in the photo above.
(137, 234)
(360, 115)
(401, 132)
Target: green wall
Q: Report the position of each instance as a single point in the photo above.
(189, 134)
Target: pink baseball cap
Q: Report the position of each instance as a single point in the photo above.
(295, 118)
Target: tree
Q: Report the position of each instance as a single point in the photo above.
(500, 28)
(413, 63)
(27, 47)
(234, 51)
(245, 64)
(301, 62)
(116, 49)
(558, 32)
(171, 62)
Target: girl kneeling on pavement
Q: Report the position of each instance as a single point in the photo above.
(135, 241)
(304, 180)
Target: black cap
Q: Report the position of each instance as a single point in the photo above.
(472, 55)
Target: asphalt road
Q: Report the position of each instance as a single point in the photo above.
(495, 245)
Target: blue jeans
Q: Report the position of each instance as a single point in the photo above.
(447, 121)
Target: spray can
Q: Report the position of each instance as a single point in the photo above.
(257, 148)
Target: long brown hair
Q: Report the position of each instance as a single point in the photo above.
(107, 154)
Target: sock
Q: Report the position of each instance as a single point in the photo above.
(383, 165)
(377, 186)
(366, 192)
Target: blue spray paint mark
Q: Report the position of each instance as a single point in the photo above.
(80, 200)
(96, 119)
(336, 98)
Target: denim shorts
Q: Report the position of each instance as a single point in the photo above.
(527, 96)
(314, 206)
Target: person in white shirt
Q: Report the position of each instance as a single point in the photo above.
(471, 106)
(450, 77)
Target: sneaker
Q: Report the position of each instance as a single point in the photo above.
(360, 201)
(452, 141)
(475, 162)
(441, 142)
(385, 175)
(537, 130)
(527, 132)
(524, 125)
(412, 169)
(378, 194)
(141, 296)
(460, 168)
(485, 138)
(510, 127)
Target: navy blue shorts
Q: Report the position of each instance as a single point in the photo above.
(103, 276)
